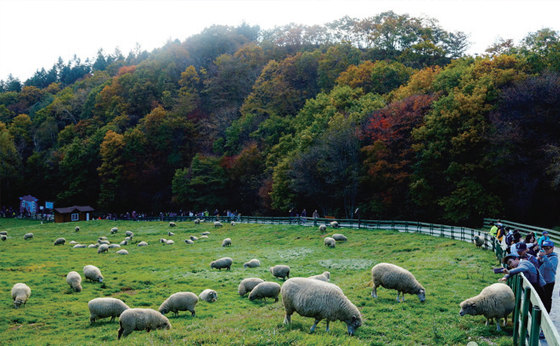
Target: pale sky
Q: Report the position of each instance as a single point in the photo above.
(34, 34)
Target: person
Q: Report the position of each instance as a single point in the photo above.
(518, 265)
(303, 216)
(548, 260)
(532, 245)
(315, 214)
(543, 238)
(516, 238)
(522, 251)
(493, 230)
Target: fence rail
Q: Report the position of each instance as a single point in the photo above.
(554, 234)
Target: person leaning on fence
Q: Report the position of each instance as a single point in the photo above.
(522, 252)
(532, 245)
(548, 260)
(518, 265)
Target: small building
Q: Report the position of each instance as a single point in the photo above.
(74, 213)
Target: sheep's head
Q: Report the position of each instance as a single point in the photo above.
(422, 295)
(163, 309)
(468, 307)
(17, 303)
(353, 324)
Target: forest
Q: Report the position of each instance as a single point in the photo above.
(386, 115)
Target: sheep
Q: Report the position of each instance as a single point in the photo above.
(180, 301)
(3, 232)
(105, 307)
(112, 246)
(494, 301)
(74, 280)
(217, 224)
(224, 262)
(93, 245)
(93, 273)
(3, 237)
(170, 242)
(141, 319)
(320, 300)
(128, 239)
(142, 243)
(77, 229)
(162, 240)
(28, 236)
(80, 246)
(334, 224)
(103, 248)
(478, 241)
(330, 242)
(170, 233)
(197, 221)
(124, 242)
(172, 224)
(129, 234)
(114, 230)
(188, 241)
(232, 223)
(252, 263)
(122, 252)
(339, 237)
(323, 228)
(280, 271)
(394, 277)
(265, 290)
(102, 238)
(20, 294)
(203, 237)
(247, 285)
(205, 233)
(73, 242)
(326, 276)
(208, 295)
(226, 242)
(193, 238)
(104, 242)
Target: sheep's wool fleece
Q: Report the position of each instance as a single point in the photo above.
(392, 276)
(142, 319)
(318, 299)
(247, 285)
(494, 301)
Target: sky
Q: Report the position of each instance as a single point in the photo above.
(34, 34)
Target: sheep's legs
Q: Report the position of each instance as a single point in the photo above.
(314, 325)
(328, 325)
(374, 292)
(398, 293)
(288, 319)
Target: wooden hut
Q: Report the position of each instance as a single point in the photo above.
(74, 213)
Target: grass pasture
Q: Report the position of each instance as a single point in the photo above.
(450, 270)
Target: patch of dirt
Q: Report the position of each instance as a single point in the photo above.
(129, 292)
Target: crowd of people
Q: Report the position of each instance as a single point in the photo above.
(533, 257)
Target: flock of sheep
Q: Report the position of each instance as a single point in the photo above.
(310, 297)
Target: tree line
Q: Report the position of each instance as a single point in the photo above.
(386, 115)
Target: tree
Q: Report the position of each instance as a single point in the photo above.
(111, 170)
(10, 162)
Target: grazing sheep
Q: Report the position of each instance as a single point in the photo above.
(105, 307)
(323, 228)
(320, 300)
(20, 294)
(141, 319)
(180, 301)
(170, 242)
(170, 233)
(80, 246)
(112, 246)
(102, 238)
(478, 241)
(252, 263)
(104, 242)
(128, 239)
(193, 238)
(162, 240)
(124, 242)
(74, 280)
(232, 223)
(330, 242)
(205, 233)
(280, 271)
(93, 245)
(73, 242)
(326, 276)
(226, 242)
(3, 232)
(247, 285)
(172, 224)
(265, 290)
(224, 262)
(122, 252)
(77, 229)
(209, 295)
(188, 241)
(93, 273)
(203, 237)
(394, 277)
(339, 237)
(129, 234)
(142, 243)
(217, 224)
(197, 221)
(3, 237)
(103, 248)
(114, 230)
(334, 224)
(494, 301)
(28, 236)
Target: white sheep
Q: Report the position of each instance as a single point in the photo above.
(193, 238)
(112, 246)
(205, 233)
(103, 248)
(102, 238)
(334, 224)
(323, 228)
(129, 234)
(20, 294)
(141, 319)
(247, 285)
(122, 252)
(104, 242)
(252, 263)
(394, 277)
(217, 224)
(320, 300)
(224, 262)
(188, 241)
(326, 276)
(478, 241)
(172, 224)
(208, 295)
(73, 242)
(226, 242)
(92, 273)
(124, 243)
(162, 240)
(74, 280)
(3, 237)
(203, 237)
(106, 307)
(495, 301)
(339, 237)
(93, 245)
(3, 232)
(180, 301)
(197, 221)
(128, 239)
(77, 229)
(114, 230)
(170, 233)
(265, 290)
(280, 271)
(142, 243)
(232, 223)
(80, 246)
(330, 242)
(28, 236)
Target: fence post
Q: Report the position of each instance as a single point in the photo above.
(535, 326)
(517, 281)
(525, 315)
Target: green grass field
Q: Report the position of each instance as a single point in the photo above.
(450, 270)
